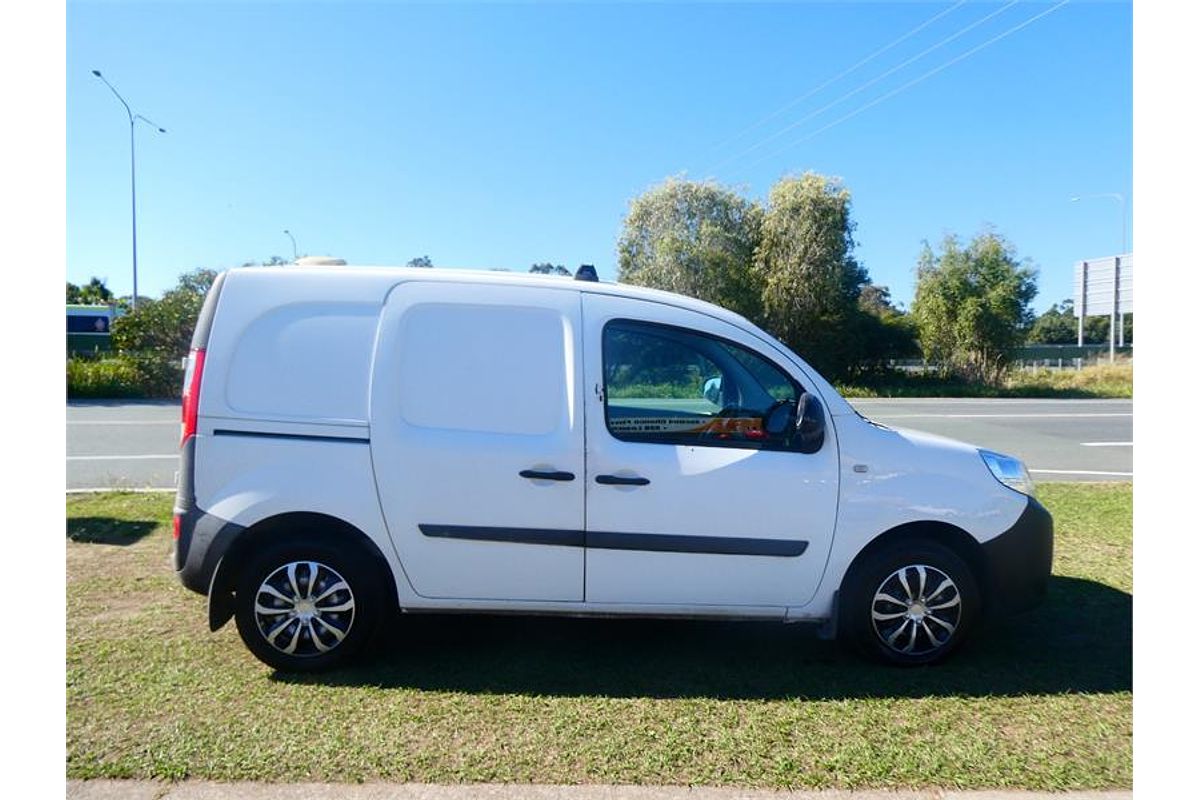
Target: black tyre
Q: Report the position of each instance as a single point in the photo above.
(910, 603)
(308, 606)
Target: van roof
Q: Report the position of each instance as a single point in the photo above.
(372, 277)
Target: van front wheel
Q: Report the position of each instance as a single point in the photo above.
(305, 607)
(911, 603)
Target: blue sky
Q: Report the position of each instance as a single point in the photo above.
(492, 135)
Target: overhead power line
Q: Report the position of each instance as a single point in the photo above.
(913, 82)
(863, 87)
(796, 101)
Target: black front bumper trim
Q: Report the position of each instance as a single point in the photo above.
(1019, 561)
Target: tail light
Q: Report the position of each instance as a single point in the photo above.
(176, 522)
(191, 394)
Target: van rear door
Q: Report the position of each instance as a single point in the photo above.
(477, 439)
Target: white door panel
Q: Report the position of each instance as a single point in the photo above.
(714, 525)
(473, 385)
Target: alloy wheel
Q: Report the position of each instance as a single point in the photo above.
(916, 610)
(304, 608)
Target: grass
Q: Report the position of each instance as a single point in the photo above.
(1042, 702)
(1093, 381)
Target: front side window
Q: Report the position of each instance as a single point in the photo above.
(673, 386)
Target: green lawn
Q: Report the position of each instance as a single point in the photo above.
(1043, 702)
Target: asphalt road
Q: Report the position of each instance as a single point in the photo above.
(131, 444)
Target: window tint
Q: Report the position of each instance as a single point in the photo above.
(670, 385)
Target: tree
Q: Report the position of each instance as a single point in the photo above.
(547, 268)
(1059, 325)
(273, 261)
(93, 293)
(877, 300)
(882, 331)
(420, 261)
(809, 277)
(1056, 326)
(695, 238)
(972, 305)
(163, 328)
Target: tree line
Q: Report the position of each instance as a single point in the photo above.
(787, 265)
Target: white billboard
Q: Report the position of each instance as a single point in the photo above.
(1101, 284)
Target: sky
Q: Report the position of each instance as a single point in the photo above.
(500, 135)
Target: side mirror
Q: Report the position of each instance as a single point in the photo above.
(780, 420)
(810, 424)
(712, 391)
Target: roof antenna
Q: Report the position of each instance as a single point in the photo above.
(586, 272)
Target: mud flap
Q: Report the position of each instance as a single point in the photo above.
(221, 602)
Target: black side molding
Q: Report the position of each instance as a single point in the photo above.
(550, 536)
(303, 437)
(649, 542)
(714, 545)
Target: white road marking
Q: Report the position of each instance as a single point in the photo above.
(997, 416)
(172, 456)
(1106, 444)
(100, 489)
(1082, 472)
(122, 422)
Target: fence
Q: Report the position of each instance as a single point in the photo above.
(1049, 356)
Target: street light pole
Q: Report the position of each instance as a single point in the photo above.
(295, 252)
(133, 118)
(1118, 318)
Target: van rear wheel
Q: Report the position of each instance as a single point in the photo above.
(303, 606)
(908, 604)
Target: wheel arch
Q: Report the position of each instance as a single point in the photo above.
(952, 537)
(279, 528)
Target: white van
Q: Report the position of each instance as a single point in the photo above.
(361, 440)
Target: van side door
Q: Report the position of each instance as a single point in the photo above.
(691, 501)
(477, 439)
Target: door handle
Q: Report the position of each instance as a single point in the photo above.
(617, 480)
(547, 475)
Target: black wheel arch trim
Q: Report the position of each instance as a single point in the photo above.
(1012, 568)
(216, 545)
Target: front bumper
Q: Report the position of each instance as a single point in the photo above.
(1019, 561)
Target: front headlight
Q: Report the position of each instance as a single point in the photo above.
(1009, 471)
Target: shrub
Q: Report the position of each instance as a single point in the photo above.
(151, 343)
(972, 305)
(125, 375)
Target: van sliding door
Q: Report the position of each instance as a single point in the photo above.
(477, 439)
